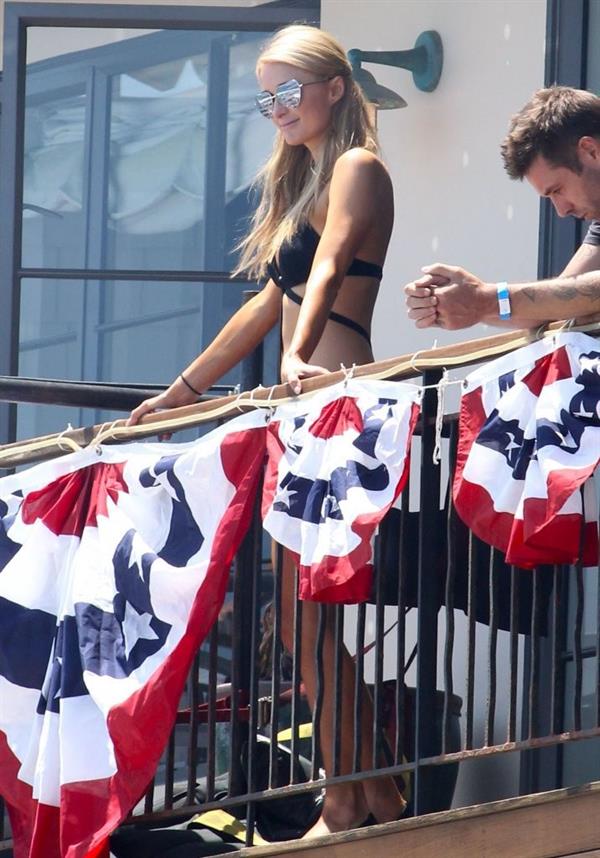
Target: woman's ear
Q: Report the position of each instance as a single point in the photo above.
(337, 87)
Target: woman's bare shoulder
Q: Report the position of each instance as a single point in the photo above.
(360, 159)
(361, 168)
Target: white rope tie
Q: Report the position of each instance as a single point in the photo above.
(268, 404)
(69, 443)
(348, 372)
(244, 396)
(105, 431)
(439, 417)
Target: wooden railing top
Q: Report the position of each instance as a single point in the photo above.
(403, 367)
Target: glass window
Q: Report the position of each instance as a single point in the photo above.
(53, 179)
(140, 149)
(593, 58)
(122, 332)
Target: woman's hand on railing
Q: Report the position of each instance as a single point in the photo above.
(175, 396)
(293, 369)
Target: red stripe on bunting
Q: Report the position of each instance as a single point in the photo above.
(337, 417)
(555, 366)
(557, 541)
(74, 501)
(19, 801)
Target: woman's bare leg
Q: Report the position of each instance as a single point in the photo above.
(346, 805)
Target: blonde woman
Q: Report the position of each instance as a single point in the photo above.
(319, 239)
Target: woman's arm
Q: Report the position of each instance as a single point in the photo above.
(359, 193)
(242, 333)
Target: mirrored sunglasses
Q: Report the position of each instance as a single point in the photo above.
(288, 94)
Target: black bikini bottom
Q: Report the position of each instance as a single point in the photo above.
(335, 317)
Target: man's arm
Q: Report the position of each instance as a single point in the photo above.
(453, 298)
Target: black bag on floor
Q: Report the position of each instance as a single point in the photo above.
(276, 819)
(178, 842)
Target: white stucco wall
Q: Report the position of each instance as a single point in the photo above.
(454, 203)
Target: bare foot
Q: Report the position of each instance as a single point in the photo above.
(345, 807)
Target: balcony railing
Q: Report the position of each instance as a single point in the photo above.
(476, 665)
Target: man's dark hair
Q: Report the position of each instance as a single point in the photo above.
(551, 124)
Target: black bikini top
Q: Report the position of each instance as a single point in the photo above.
(292, 265)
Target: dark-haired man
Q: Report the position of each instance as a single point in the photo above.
(554, 143)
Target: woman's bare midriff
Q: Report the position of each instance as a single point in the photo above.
(339, 344)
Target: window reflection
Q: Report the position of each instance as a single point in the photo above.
(122, 332)
(135, 152)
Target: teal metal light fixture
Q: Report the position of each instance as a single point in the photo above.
(425, 62)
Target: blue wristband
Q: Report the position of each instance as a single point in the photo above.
(503, 300)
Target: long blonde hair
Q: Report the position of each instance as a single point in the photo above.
(290, 183)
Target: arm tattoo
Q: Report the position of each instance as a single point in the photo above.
(591, 290)
(565, 292)
(568, 293)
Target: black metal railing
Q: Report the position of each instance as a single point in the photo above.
(493, 645)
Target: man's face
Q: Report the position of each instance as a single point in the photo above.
(571, 193)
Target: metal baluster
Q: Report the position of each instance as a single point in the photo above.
(471, 608)
(170, 770)
(492, 648)
(359, 675)
(192, 750)
(451, 524)
(514, 653)
(244, 566)
(211, 732)
(276, 665)
(577, 649)
(558, 643)
(534, 672)
(578, 629)
(319, 690)
(149, 798)
(296, 680)
(337, 685)
(378, 743)
(253, 725)
(399, 750)
(427, 620)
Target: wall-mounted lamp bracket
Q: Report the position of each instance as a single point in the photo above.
(425, 60)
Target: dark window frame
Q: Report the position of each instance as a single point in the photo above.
(566, 62)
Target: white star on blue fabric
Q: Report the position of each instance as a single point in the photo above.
(136, 627)
(559, 434)
(591, 364)
(284, 495)
(330, 506)
(381, 411)
(511, 443)
(582, 412)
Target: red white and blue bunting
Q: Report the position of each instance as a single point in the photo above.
(114, 568)
(113, 563)
(336, 464)
(529, 439)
